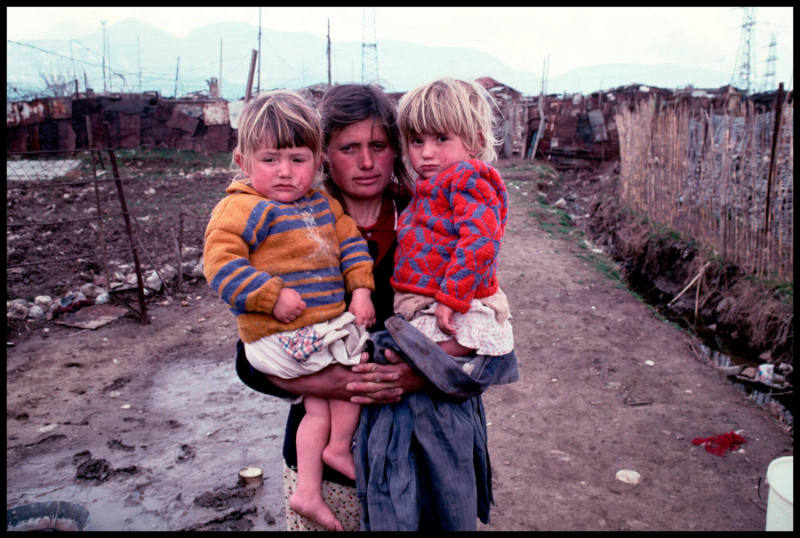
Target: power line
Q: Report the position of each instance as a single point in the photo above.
(50, 52)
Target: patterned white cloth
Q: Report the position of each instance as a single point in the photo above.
(477, 329)
(342, 500)
(307, 350)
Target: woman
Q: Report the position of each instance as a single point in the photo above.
(365, 171)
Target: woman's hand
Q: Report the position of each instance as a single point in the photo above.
(384, 383)
(364, 383)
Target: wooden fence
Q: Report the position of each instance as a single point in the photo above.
(724, 178)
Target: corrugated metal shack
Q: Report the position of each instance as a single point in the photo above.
(578, 129)
(513, 107)
(60, 123)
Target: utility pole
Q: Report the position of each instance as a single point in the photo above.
(744, 71)
(177, 68)
(139, 61)
(540, 108)
(220, 68)
(329, 53)
(258, 83)
(107, 47)
(72, 59)
(104, 55)
(248, 91)
(369, 48)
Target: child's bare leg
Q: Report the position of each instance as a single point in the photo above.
(451, 347)
(312, 436)
(344, 420)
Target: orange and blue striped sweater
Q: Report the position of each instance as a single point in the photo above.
(255, 246)
(449, 236)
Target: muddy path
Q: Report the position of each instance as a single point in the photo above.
(148, 426)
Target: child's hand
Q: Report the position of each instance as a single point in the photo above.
(444, 319)
(362, 308)
(289, 306)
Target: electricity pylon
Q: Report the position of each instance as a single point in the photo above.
(744, 70)
(369, 48)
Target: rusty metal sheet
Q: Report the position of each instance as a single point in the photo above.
(66, 135)
(129, 130)
(164, 110)
(127, 104)
(18, 139)
(12, 114)
(216, 113)
(156, 135)
(93, 316)
(598, 125)
(32, 112)
(193, 110)
(186, 118)
(60, 108)
(218, 138)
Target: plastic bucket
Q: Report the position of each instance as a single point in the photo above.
(781, 494)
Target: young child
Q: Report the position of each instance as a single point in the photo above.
(449, 236)
(282, 254)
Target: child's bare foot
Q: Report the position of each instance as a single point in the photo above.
(340, 461)
(316, 510)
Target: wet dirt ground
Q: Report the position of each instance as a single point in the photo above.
(147, 426)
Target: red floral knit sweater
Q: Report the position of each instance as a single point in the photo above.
(449, 236)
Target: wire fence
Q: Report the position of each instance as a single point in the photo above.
(46, 227)
(723, 178)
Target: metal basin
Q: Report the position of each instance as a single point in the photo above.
(47, 516)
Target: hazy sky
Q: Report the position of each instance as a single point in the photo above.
(522, 37)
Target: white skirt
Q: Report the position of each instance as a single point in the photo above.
(477, 329)
(307, 350)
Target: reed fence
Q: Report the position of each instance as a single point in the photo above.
(724, 178)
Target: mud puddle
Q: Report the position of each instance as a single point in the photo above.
(164, 454)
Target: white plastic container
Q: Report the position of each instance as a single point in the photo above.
(780, 501)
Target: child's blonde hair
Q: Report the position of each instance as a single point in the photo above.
(279, 119)
(456, 106)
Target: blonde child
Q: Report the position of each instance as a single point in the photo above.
(450, 234)
(283, 254)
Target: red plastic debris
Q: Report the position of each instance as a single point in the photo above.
(720, 444)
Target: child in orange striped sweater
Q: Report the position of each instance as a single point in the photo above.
(283, 255)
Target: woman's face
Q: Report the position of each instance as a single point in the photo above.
(361, 159)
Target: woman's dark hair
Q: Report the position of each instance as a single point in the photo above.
(346, 104)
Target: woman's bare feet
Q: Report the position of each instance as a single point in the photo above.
(340, 461)
(316, 510)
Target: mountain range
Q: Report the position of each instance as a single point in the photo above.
(136, 56)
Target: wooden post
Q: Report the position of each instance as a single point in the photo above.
(539, 131)
(329, 53)
(180, 251)
(126, 217)
(258, 78)
(100, 231)
(778, 115)
(249, 91)
(177, 67)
